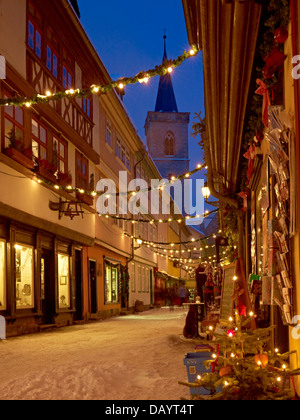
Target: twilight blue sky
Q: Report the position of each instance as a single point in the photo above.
(128, 36)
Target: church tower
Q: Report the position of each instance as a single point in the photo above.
(166, 130)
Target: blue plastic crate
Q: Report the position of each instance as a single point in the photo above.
(195, 367)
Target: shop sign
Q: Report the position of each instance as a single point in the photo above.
(2, 67)
(2, 328)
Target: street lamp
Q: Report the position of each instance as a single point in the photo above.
(206, 192)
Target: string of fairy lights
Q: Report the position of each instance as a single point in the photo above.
(162, 185)
(96, 89)
(160, 221)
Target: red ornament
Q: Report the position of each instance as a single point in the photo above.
(262, 360)
(231, 333)
(281, 35)
(225, 371)
(259, 136)
(274, 60)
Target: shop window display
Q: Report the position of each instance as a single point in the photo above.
(2, 276)
(111, 284)
(63, 281)
(24, 277)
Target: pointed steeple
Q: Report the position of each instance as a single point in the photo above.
(166, 101)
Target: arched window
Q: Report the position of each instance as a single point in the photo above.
(169, 144)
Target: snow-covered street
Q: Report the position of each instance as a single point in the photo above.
(137, 357)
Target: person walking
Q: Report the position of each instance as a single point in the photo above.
(182, 293)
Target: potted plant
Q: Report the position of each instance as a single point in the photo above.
(17, 152)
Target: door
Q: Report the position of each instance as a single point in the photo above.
(93, 286)
(47, 287)
(78, 280)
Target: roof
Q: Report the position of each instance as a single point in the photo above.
(75, 7)
(165, 101)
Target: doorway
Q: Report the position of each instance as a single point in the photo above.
(47, 287)
(78, 280)
(93, 286)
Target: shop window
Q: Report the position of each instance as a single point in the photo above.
(111, 283)
(60, 157)
(147, 286)
(13, 126)
(82, 173)
(143, 288)
(24, 277)
(139, 279)
(39, 140)
(64, 281)
(133, 278)
(2, 277)
(34, 32)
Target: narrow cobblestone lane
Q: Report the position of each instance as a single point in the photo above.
(138, 357)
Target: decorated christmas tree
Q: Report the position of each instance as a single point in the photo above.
(243, 366)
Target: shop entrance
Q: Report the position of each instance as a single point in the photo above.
(93, 286)
(47, 287)
(78, 278)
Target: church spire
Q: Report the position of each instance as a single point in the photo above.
(165, 101)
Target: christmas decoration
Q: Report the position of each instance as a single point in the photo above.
(46, 172)
(263, 90)
(159, 221)
(141, 77)
(281, 35)
(278, 17)
(243, 368)
(261, 359)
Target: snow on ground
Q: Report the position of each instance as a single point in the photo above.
(136, 357)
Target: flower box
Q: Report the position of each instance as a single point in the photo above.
(85, 198)
(64, 179)
(19, 157)
(47, 171)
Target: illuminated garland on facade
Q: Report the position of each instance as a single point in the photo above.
(141, 77)
(160, 221)
(71, 189)
(172, 244)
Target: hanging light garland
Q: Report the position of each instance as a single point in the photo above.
(181, 260)
(160, 221)
(161, 187)
(141, 77)
(172, 244)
